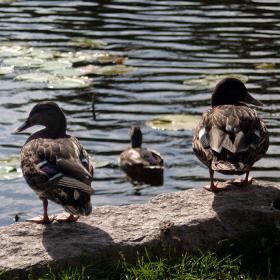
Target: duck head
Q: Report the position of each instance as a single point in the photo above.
(47, 114)
(231, 91)
(135, 136)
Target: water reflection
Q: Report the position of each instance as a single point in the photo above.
(169, 42)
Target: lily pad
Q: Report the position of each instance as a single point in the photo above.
(68, 83)
(7, 1)
(54, 65)
(10, 168)
(107, 58)
(174, 122)
(41, 53)
(10, 172)
(87, 43)
(69, 72)
(4, 70)
(36, 77)
(209, 82)
(90, 69)
(115, 70)
(91, 56)
(101, 163)
(265, 66)
(23, 62)
(13, 50)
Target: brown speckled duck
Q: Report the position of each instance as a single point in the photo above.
(55, 165)
(141, 164)
(231, 137)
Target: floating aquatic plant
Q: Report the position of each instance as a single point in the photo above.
(4, 70)
(174, 122)
(11, 50)
(23, 62)
(68, 83)
(10, 168)
(210, 81)
(265, 66)
(56, 67)
(87, 43)
(36, 77)
(115, 70)
(7, 1)
(101, 163)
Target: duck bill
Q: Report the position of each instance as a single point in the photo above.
(251, 100)
(21, 128)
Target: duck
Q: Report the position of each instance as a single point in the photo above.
(141, 164)
(55, 165)
(230, 137)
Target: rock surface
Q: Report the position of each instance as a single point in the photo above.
(186, 221)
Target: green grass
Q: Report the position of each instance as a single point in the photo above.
(254, 258)
(202, 266)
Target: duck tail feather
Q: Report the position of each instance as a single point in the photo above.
(69, 182)
(84, 210)
(227, 167)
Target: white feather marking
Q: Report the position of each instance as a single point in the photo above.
(154, 167)
(76, 195)
(201, 133)
(84, 161)
(41, 164)
(257, 132)
(229, 128)
(56, 176)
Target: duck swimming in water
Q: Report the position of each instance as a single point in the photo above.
(231, 137)
(55, 165)
(141, 164)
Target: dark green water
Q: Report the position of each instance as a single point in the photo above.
(168, 42)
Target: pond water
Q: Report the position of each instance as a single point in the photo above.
(168, 42)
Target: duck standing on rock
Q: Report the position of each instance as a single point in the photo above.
(141, 164)
(55, 165)
(231, 137)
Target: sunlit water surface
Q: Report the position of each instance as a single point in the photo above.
(168, 42)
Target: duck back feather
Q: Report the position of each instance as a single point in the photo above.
(230, 138)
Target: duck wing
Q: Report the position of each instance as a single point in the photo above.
(44, 160)
(230, 138)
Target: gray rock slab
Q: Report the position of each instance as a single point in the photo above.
(184, 221)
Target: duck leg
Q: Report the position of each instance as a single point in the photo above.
(212, 187)
(215, 187)
(66, 218)
(45, 219)
(242, 182)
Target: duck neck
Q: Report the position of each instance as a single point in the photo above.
(136, 142)
(57, 127)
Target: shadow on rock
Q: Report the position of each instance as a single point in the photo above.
(71, 243)
(248, 209)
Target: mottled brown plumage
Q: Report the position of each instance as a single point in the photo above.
(231, 137)
(54, 164)
(141, 164)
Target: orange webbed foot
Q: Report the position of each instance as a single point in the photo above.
(241, 182)
(68, 218)
(42, 219)
(216, 187)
